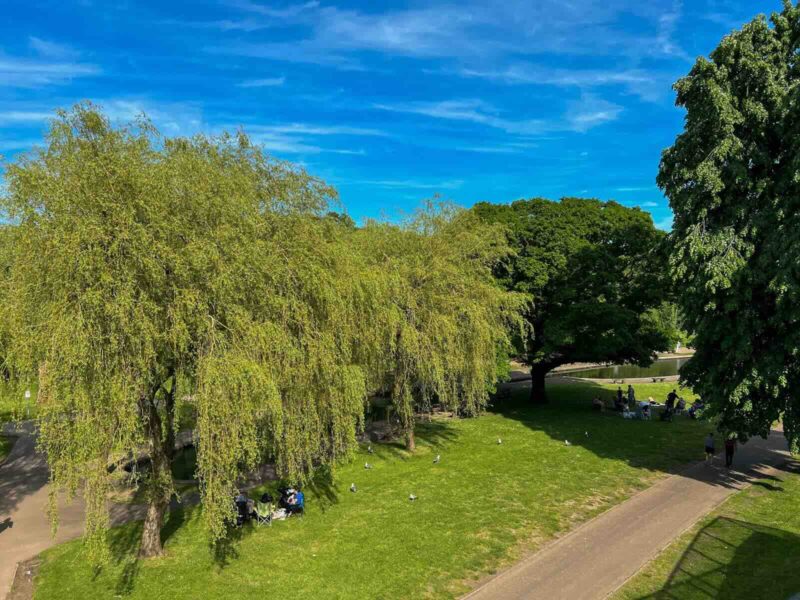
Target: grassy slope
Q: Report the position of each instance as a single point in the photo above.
(480, 508)
(746, 549)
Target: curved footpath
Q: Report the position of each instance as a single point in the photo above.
(595, 559)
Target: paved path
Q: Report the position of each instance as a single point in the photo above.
(24, 526)
(594, 560)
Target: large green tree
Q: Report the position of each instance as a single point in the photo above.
(594, 271)
(447, 319)
(147, 278)
(142, 264)
(732, 181)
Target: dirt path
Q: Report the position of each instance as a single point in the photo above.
(595, 559)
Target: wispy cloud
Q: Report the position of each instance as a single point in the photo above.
(28, 73)
(23, 116)
(665, 224)
(451, 184)
(52, 50)
(583, 114)
(642, 188)
(269, 82)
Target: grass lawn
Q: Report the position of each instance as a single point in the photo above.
(483, 506)
(746, 549)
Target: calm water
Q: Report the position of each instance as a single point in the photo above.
(660, 368)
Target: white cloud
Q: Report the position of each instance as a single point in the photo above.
(24, 116)
(269, 82)
(311, 129)
(27, 73)
(412, 183)
(589, 112)
(635, 188)
(582, 115)
(53, 50)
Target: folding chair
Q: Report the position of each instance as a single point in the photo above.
(264, 513)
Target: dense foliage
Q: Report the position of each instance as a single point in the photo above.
(594, 271)
(447, 319)
(732, 180)
(148, 273)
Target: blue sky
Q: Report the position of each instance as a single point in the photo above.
(390, 102)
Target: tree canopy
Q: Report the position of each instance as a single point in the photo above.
(150, 274)
(731, 178)
(594, 271)
(448, 320)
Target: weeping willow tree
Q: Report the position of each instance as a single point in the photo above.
(446, 321)
(149, 272)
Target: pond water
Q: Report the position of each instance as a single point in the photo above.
(660, 368)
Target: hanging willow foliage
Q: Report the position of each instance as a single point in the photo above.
(148, 272)
(446, 317)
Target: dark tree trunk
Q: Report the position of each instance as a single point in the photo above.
(159, 482)
(411, 442)
(538, 389)
(151, 532)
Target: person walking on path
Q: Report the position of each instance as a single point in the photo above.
(710, 447)
(730, 448)
(631, 397)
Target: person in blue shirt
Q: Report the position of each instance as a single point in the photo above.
(298, 502)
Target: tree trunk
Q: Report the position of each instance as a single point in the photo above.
(538, 390)
(159, 482)
(411, 442)
(151, 533)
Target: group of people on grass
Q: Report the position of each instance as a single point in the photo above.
(625, 403)
(292, 502)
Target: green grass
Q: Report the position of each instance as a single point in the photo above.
(480, 508)
(746, 549)
(13, 405)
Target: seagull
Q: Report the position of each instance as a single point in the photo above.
(567, 443)
(369, 449)
(499, 441)
(352, 487)
(412, 497)
(437, 459)
(587, 433)
(367, 465)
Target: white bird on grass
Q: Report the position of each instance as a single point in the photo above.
(369, 449)
(352, 487)
(437, 459)
(412, 497)
(499, 441)
(367, 465)
(567, 443)
(587, 433)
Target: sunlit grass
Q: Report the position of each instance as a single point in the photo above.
(746, 549)
(481, 507)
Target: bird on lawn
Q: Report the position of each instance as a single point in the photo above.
(352, 487)
(499, 441)
(369, 449)
(437, 459)
(412, 497)
(587, 433)
(567, 443)
(367, 465)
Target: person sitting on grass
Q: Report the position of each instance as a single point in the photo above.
(297, 502)
(619, 403)
(696, 408)
(597, 404)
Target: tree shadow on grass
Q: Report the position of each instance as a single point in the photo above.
(653, 445)
(732, 559)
